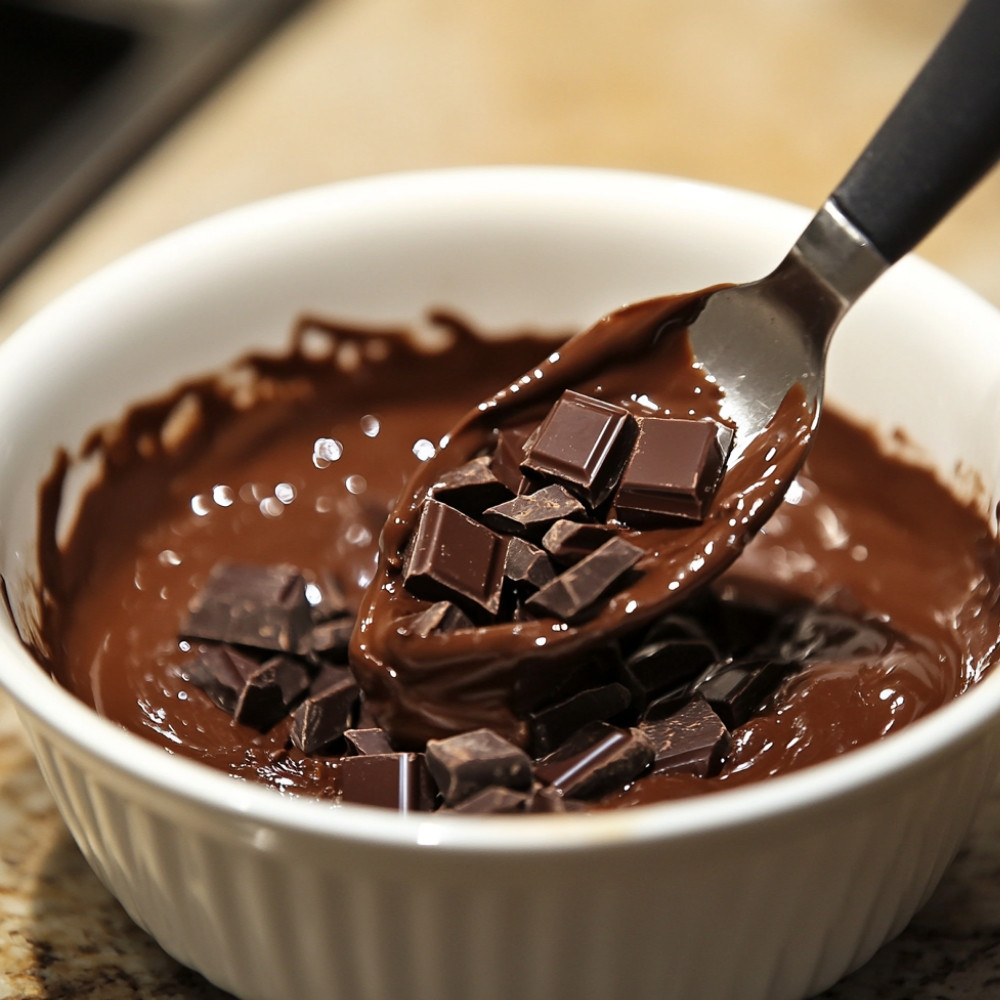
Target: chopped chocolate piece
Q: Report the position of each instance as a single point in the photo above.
(326, 598)
(531, 514)
(527, 566)
(442, 616)
(468, 762)
(508, 456)
(259, 606)
(367, 741)
(552, 726)
(674, 471)
(270, 691)
(394, 780)
(738, 691)
(576, 589)
(471, 487)
(329, 640)
(692, 741)
(325, 714)
(569, 541)
(492, 799)
(598, 759)
(222, 672)
(583, 444)
(668, 665)
(452, 557)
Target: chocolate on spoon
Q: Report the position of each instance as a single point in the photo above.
(741, 366)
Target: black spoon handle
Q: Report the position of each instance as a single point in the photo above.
(939, 140)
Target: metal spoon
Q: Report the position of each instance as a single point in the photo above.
(760, 339)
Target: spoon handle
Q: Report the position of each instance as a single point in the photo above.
(939, 140)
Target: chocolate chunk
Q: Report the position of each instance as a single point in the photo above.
(583, 443)
(598, 759)
(367, 741)
(578, 588)
(527, 567)
(394, 780)
(531, 514)
(493, 799)
(552, 726)
(668, 665)
(222, 672)
(569, 541)
(442, 616)
(692, 741)
(739, 691)
(329, 640)
(506, 460)
(259, 606)
(269, 692)
(471, 487)
(325, 714)
(452, 557)
(674, 471)
(469, 762)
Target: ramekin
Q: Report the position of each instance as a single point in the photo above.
(771, 891)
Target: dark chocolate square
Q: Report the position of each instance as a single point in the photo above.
(740, 690)
(597, 759)
(326, 713)
(393, 780)
(471, 487)
(469, 762)
(261, 606)
(583, 444)
(693, 740)
(454, 558)
(674, 471)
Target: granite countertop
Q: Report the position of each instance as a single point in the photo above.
(772, 95)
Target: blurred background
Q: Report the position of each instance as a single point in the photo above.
(777, 96)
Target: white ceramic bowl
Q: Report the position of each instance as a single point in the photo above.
(772, 891)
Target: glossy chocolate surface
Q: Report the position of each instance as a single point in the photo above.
(303, 474)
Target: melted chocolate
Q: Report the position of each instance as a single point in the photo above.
(303, 469)
(637, 359)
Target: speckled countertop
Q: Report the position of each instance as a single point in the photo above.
(771, 95)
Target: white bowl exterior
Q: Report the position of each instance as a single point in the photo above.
(773, 909)
(770, 892)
